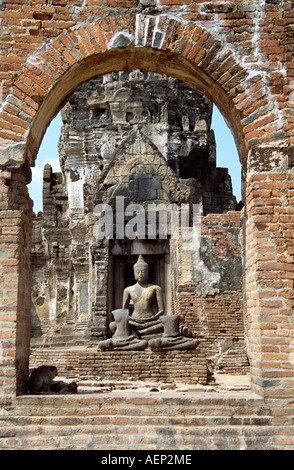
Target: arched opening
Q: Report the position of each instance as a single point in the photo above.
(129, 58)
(64, 296)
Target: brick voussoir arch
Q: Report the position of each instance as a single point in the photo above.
(161, 44)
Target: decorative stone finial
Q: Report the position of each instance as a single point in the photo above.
(140, 262)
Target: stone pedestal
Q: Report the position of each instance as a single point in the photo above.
(170, 367)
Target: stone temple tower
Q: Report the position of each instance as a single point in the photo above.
(129, 139)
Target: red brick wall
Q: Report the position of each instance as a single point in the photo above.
(240, 55)
(270, 274)
(15, 227)
(215, 316)
(217, 321)
(41, 43)
(185, 367)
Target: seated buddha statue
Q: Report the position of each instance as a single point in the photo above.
(147, 300)
(172, 338)
(122, 340)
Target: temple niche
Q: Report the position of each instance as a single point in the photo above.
(130, 142)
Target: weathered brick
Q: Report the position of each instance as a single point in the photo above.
(29, 28)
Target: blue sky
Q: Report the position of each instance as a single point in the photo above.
(227, 156)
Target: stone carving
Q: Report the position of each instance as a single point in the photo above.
(121, 339)
(172, 338)
(147, 300)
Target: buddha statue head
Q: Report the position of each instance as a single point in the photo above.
(141, 270)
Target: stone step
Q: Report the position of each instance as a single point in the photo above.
(138, 419)
(137, 437)
(133, 406)
(145, 420)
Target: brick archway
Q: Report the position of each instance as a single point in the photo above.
(180, 49)
(187, 52)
